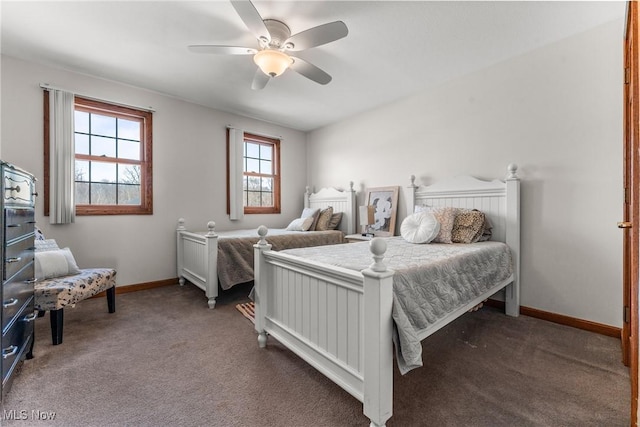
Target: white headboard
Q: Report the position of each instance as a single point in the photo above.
(499, 200)
(341, 200)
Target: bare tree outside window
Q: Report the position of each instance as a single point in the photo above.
(113, 171)
(261, 174)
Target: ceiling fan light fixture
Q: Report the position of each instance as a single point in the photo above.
(272, 62)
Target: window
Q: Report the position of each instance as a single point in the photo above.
(113, 171)
(261, 174)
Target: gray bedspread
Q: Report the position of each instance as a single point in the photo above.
(430, 281)
(235, 250)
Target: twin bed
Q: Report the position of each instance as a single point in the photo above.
(343, 313)
(208, 258)
(343, 308)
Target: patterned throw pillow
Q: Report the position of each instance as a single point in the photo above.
(324, 218)
(486, 230)
(467, 226)
(45, 245)
(334, 222)
(445, 216)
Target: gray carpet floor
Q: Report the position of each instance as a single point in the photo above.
(165, 359)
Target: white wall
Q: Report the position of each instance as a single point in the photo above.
(557, 113)
(189, 175)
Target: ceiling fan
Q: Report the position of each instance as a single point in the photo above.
(274, 44)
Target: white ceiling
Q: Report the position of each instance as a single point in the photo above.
(394, 48)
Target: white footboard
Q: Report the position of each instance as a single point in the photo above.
(198, 259)
(337, 320)
(340, 321)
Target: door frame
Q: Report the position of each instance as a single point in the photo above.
(631, 205)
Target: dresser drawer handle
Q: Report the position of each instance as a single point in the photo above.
(14, 259)
(10, 302)
(9, 351)
(31, 317)
(13, 225)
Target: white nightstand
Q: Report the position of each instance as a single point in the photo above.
(352, 238)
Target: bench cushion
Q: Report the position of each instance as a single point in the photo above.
(57, 293)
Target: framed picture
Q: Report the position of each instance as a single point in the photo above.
(385, 202)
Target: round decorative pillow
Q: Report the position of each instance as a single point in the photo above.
(420, 227)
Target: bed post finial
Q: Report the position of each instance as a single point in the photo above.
(351, 186)
(181, 224)
(413, 181)
(262, 232)
(378, 247)
(511, 169)
(211, 227)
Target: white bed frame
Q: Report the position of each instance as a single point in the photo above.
(339, 320)
(197, 253)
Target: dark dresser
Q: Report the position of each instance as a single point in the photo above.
(18, 223)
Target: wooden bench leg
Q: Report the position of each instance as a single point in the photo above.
(111, 299)
(33, 340)
(56, 325)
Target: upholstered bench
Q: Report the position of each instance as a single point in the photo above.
(60, 285)
(55, 294)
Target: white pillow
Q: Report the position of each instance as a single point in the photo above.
(300, 224)
(55, 263)
(307, 212)
(420, 227)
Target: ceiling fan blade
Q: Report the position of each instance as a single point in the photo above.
(317, 36)
(310, 71)
(224, 50)
(251, 18)
(260, 80)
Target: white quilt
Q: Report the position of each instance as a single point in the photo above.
(430, 281)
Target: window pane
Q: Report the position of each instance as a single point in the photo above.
(260, 157)
(103, 172)
(266, 152)
(267, 184)
(82, 193)
(265, 166)
(252, 150)
(128, 194)
(101, 146)
(103, 194)
(253, 165)
(128, 150)
(82, 171)
(103, 125)
(81, 121)
(128, 129)
(253, 183)
(82, 143)
(267, 199)
(253, 198)
(128, 174)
